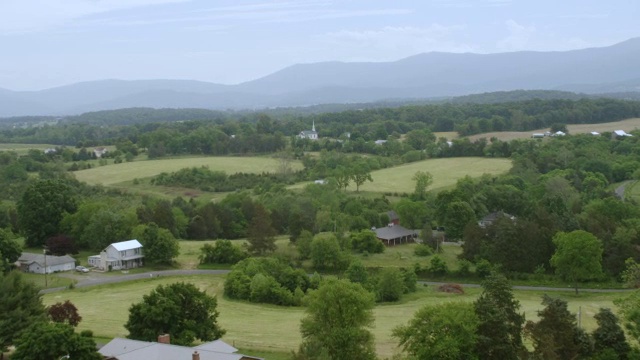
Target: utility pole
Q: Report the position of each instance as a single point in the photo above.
(44, 251)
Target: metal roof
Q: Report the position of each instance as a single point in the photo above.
(127, 349)
(394, 232)
(127, 245)
(28, 258)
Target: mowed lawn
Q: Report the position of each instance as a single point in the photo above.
(117, 173)
(251, 326)
(626, 125)
(446, 172)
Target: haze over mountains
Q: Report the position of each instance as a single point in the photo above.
(596, 70)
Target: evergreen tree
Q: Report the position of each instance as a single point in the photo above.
(609, 335)
(500, 325)
(260, 233)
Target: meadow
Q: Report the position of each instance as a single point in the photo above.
(626, 125)
(128, 171)
(446, 173)
(253, 326)
(23, 149)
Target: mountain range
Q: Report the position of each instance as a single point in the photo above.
(593, 70)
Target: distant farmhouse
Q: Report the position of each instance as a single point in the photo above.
(99, 151)
(119, 256)
(494, 216)
(309, 134)
(127, 349)
(39, 264)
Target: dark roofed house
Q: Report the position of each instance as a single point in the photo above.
(395, 234)
(127, 349)
(491, 218)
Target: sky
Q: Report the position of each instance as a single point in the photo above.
(48, 43)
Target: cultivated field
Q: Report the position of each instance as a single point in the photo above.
(117, 173)
(446, 172)
(626, 125)
(23, 149)
(268, 327)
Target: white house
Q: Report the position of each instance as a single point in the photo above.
(38, 263)
(119, 256)
(309, 134)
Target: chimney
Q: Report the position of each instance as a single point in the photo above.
(164, 339)
(195, 356)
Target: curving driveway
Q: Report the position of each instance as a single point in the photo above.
(94, 281)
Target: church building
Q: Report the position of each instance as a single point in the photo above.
(309, 134)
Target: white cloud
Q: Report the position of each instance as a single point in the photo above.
(18, 16)
(518, 38)
(393, 42)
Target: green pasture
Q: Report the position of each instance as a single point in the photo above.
(128, 171)
(276, 329)
(446, 172)
(404, 256)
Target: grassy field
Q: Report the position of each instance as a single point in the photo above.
(626, 125)
(276, 329)
(118, 173)
(445, 173)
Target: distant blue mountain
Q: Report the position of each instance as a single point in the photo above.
(594, 70)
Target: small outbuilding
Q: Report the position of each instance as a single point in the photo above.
(492, 217)
(41, 264)
(619, 134)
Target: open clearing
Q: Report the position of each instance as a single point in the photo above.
(446, 172)
(117, 173)
(268, 327)
(626, 125)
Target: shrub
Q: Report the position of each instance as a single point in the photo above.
(437, 266)
(483, 268)
(390, 285)
(222, 252)
(366, 240)
(423, 250)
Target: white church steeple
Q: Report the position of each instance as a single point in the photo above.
(313, 126)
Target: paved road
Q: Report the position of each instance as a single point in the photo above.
(111, 279)
(621, 189)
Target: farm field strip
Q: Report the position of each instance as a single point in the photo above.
(626, 125)
(253, 326)
(128, 171)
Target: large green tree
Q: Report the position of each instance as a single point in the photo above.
(338, 317)
(41, 209)
(178, 309)
(52, 340)
(10, 250)
(578, 256)
(500, 325)
(20, 306)
(360, 173)
(423, 180)
(440, 332)
(160, 247)
(457, 215)
(260, 234)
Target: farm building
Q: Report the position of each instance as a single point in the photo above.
(99, 151)
(37, 263)
(619, 133)
(394, 218)
(380, 142)
(119, 256)
(595, 133)
(395, 234)
(537, 136)
(127, 349)
(309, 134)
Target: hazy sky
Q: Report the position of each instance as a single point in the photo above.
(46, 43)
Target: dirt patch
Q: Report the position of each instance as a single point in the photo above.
(451, 288)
